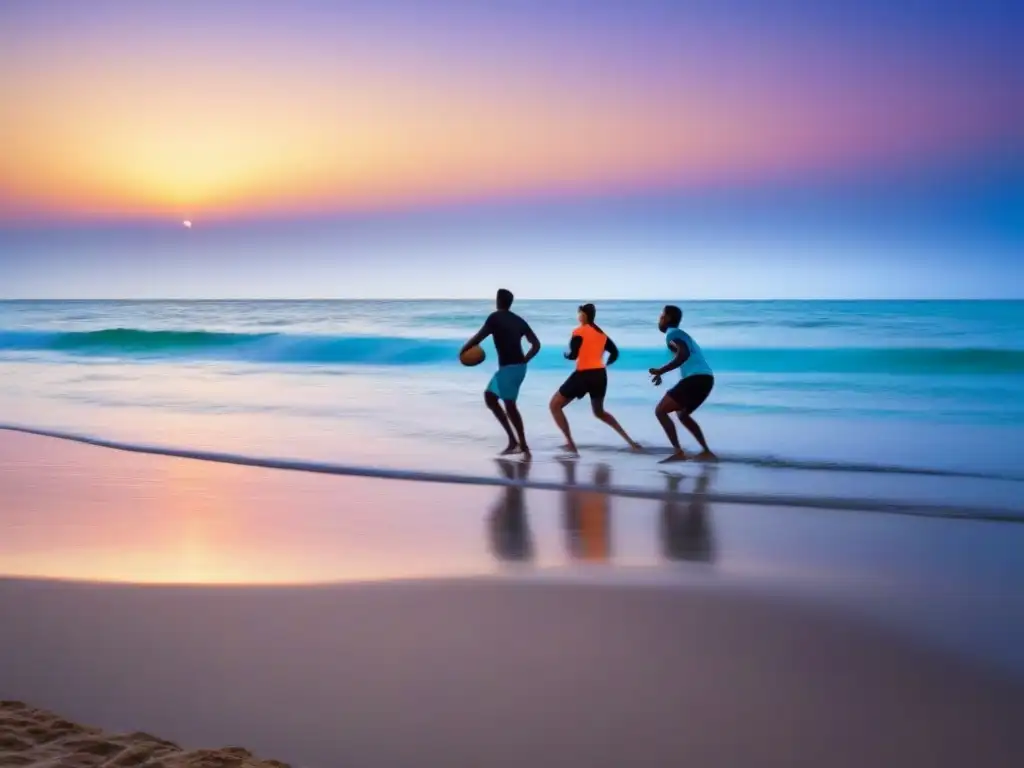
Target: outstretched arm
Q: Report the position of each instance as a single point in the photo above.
(613, 351)
(682, 354)
(534, 343)
(478, 337)
(575, 345)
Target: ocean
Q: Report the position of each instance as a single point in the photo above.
(866, 388)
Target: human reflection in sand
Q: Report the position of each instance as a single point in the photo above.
(508, 525)
(587, 515)
(686, 532)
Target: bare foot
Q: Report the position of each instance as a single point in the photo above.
(512, 448)
(636, 447)
(525, 450)
(705, 456)
(570, 448)
(677, 456)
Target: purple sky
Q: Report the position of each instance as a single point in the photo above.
(745, 134)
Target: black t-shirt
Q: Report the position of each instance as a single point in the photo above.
(507, 329)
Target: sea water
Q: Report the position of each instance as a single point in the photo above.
(931, 385)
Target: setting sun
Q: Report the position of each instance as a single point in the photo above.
(408, 116)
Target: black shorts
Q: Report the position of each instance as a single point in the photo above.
(690, 393)
(593, 382)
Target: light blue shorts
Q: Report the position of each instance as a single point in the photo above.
(506, 381)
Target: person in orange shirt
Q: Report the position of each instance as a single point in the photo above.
(587, 347)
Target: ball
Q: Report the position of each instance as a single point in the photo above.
(472, 356)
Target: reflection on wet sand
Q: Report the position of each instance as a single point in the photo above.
(587, 515)
(508, 525)
(684, 525)
(686, 532)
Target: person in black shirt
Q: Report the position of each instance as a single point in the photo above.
(507, 329)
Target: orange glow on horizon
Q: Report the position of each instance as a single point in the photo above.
(173, 153)
(174, 158)
(111, 124)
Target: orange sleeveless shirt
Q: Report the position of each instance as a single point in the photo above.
(592, 352)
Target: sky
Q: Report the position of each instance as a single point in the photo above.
(747, 148)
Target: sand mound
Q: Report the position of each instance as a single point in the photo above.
(33, 737)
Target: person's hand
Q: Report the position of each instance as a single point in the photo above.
(567, 355)
(655, 377)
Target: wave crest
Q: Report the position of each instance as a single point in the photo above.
(133, 343)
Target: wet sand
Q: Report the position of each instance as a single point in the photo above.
(499, 673)
(463, 629)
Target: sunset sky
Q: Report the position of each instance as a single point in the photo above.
(423, 130)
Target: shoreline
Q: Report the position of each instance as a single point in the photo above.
(745, 499)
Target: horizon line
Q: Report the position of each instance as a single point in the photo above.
(265, 299)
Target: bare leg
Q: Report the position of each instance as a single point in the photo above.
(492, 402)
(694, 428)
(517, 421)
(558, 403)
(664, 411)
(611, 421)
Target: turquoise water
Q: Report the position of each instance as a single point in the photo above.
(933, 384)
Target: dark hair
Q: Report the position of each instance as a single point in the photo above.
(674, 315)
(590, 312)
(505, 298)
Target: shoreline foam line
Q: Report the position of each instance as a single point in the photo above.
(775, 462)
(380, 473)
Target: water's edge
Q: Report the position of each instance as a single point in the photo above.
(381, 473)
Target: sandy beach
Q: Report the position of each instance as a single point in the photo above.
(34, 737)
(481, 673)
(342, 621)
(576, 384)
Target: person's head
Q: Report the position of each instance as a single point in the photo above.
(671, 316)
(586, 314)
(504, 299)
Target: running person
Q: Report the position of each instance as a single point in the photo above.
(693, 388)
(587, 347)
(508, 330)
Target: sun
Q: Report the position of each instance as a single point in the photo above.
(187, 224)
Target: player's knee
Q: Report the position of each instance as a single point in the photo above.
(490, 398)
(598, 410)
